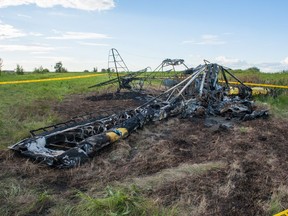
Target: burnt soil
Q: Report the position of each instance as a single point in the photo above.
(254, 154)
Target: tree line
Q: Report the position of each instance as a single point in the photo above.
(59, 68)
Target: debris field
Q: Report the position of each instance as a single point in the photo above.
(232, 171)
(196, 146)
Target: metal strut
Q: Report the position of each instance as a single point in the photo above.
(116, 63)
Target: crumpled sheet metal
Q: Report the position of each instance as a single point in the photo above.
(199, 94)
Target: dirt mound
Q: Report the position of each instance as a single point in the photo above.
(253, 157)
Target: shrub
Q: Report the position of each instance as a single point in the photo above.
(19, 70)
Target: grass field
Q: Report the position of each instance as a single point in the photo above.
(26, 106)
(28, 190)
(258, 77)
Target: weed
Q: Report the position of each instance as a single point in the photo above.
(15, 198)
(276, 204)
(38, 206)
(117, 202)
(243, 130)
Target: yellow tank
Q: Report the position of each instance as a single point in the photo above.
(259, 91)
(234, 90)
(117, 134)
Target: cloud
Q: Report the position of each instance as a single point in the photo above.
(189, 42)
(285, 61)
(79, 35)
(8, 31)
(89, 5)
(24, 16)
(61, 14)
(39, 52)
(38, 48)
(235, 63)
(36, 34)
(55, 58)
(228, 33)
(206, 39)
(92, 44)
(232, 62)
(271, 66)
(225, 60)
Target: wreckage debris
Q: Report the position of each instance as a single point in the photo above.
(72, 143)
(134, 81)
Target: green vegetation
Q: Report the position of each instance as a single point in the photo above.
(33, 76)
(117, 202)
(19, 70)
(41, 70)
(59, 68)
(277, 198)
(29, 106)
(21, 198)
(253, 75)
(17, 199)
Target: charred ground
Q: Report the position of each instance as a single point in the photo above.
(177, 162)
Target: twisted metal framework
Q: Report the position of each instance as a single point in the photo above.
(71, 144)
(170, 63)
(135, 80)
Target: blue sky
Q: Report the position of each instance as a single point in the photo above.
(234, 33)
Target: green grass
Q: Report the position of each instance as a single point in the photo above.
(17, 198)
(28, 76)
(278, 196)
(258, 77)
(29, 105)
(117, 202)
(278, 105)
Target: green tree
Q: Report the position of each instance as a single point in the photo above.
(41, 70)
(254, 69)
(59, 68)
(19, 70)
(95, 69)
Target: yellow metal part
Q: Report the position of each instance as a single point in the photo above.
(259, 91)
(233, 90)
(283, 213)
(117, 134)
(257, 84)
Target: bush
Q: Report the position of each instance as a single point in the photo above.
(41, 70)
(117, 202)
(19, 70)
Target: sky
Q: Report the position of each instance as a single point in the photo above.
(235, 33)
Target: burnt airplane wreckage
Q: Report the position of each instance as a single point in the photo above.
(72, 143)
(134, 81)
